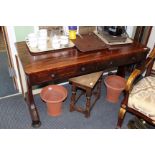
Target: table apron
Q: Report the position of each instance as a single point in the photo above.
(67, 72)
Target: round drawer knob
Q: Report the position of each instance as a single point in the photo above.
(111, 62)
(133, 58)
(83, 68)
(52, 75)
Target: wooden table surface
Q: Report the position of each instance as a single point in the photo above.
(69, 63)
(49, 60)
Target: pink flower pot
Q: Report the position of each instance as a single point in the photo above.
(54, 95)
(115, 85)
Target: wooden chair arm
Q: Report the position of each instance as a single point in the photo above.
(139, 71)
(131, 79)
(146, 66)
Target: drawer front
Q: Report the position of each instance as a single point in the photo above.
(104, 65)
(137, 58)
(116, 62)
(86, 69)
(43, 77)
(72, 71)
(62, 74)
(51, 75)
(132, 59)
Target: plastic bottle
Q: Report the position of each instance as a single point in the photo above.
(72, 32)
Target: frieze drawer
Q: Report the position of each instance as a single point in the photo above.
(63, 73)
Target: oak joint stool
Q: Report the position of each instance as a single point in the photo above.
(86, 83)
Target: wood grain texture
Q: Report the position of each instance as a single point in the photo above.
(2, 43)
(69, 63)
(66, 58)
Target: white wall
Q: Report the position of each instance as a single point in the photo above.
(13, 52)
(131, 31)
(151, 40)
(12, 41)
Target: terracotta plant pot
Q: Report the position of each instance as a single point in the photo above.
(54, 95)
(115, 85)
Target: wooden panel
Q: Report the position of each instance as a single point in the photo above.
(2, 42)
(142, 34)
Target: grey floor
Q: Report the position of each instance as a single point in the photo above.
(14, 114)
(6, 83)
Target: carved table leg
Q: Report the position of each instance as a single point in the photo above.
(88, 95)
(73, 98)
(32, 107)
(121, 71)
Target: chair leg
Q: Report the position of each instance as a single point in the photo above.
(73, 98)
(121, 115)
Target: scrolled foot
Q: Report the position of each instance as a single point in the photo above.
(87, 114)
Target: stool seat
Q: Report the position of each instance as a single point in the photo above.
(86, 83)
(88, 80)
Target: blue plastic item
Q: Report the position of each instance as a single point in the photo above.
(72, 27)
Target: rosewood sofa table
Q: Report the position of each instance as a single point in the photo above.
(64, 64)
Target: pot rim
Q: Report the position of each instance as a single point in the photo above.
(58, 101)
(123, 79)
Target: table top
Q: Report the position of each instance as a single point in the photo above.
(70, 57)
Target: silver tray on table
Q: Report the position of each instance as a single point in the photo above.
(49, 48)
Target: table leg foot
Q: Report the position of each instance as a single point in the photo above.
(36, 124)
(87, 114)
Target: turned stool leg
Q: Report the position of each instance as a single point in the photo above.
(88, 96)
(73, 98)
(99, 88)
